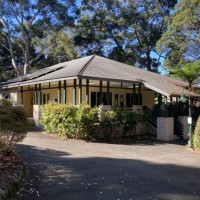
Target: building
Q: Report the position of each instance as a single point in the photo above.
(97, 80)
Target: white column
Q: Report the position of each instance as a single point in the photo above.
(184, 121)
(165, 128)
(36, 115)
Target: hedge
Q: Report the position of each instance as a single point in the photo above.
(85, 122)
(196, 138)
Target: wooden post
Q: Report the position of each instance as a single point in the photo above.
(74, 93)
(166, 109)
(22, 96)
(159, 104)
(139, 95)
(101, 97)
(35, 95)
(133, 94)
(39, 95)
(171, 108)
(59, 92)
(65, 92)
(80, 91)
(108, 92)
(87, 91)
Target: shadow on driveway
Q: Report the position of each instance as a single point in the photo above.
(53, 175)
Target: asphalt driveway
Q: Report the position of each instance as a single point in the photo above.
(76, 170)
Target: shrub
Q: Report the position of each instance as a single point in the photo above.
(120, 121)
(195, 112)
(84, 122)
(13, 126)
(88, 122)
(109, 123)
(59, 119)
(196, 138)
(70, 121)
(129, 121)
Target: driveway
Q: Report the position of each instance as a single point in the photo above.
(77, 170)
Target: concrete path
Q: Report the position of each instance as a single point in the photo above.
(77, 170)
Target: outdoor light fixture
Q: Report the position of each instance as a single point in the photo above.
(184, 99)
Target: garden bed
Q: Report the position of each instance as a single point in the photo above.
(11, 174)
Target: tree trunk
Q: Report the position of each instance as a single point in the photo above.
(191, 88)
(148, 61)
(25, 69)
(27, 57)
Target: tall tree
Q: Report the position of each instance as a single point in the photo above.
(28, 24)
(181, 43)
(124, 30)
(62, 48)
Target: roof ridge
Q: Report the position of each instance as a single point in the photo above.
(85, 66)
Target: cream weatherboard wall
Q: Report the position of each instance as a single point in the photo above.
(28, 95)
(28, 102)
(13, 93)
(147, 95)
(15, 96)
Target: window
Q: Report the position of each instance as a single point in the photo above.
(6, 96)
(45, 98)
(129, 99)
(96, 99)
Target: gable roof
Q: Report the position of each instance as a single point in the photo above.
(100, 68)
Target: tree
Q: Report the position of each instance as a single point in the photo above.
(181, 43)
(28, 24)
(189, 72)
(126, 31)
(5, 61)
(62, 48)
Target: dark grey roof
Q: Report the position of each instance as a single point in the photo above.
(96, 67)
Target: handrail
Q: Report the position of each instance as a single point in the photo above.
(150, 116)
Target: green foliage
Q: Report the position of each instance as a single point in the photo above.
(83, 121)
(59, 119)
(181, 42)
(195, 112)
(129, 120)
(109, 124)
(13, 126)
(70, 121)
(189, 72)
(5, 102)
(123, 122)
(126, 31)
(62, 48)
(196, 137)
(27, 24)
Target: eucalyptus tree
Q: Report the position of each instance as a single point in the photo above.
(181, 43)
(125, 30)
(28, 24)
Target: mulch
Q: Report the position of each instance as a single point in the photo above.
(9, 166)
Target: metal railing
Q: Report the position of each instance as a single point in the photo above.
(151, 117)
